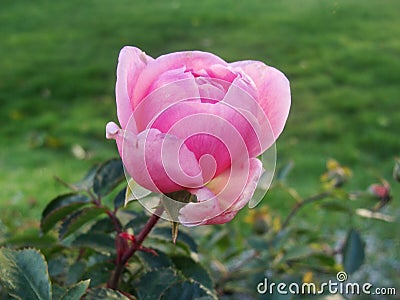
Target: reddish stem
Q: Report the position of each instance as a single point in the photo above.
(151, 222)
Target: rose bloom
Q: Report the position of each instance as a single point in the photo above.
(189, 121)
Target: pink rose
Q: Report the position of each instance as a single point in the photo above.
(191, 121)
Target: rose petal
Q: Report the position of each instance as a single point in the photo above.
(217, 129)
(211, 90)
(221, 72)
(193, 61)
(158, 162)
(242, 96)
(273, 90)
(215, 208)
(161, 162)
(184, 88)
(131, 62)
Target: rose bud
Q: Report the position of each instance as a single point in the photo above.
(189, 121)
(381, 192)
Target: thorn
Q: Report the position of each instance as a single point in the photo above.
(148, 250)
(175, 231)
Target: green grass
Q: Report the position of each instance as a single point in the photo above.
(58, 61)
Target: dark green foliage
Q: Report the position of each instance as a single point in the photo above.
(95, 240)
(193, 270)
(108, 176)
(105, 294)
(95, 231)
(154, 283)
(119, 200)
(157, 260)
(24, 274)
(353, 251)
(79, 218)
(75, 292)
(186, 290)
(60, 207)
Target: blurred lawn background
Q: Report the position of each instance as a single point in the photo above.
(58, 62)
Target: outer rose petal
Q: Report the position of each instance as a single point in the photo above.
(131, 62)
(192, 60)
(158, 162)
(210, 209)
(273, 90)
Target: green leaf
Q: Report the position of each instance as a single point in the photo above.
(99, 273)
(99, 270)
(108, 176)
(193, 270)
(75, 272)
(137, 222)
(79, 218)
(186, 291)
(105, 294)
(97, 241)
(57, 291)
(87, 182)
(56, 266)
(353, 252)
(188, 240)
(76, 291)
(152, 284)
(104, 225)
(152, 261)
(59, 208)
(119, 200)
(24, 274)
(165, 233)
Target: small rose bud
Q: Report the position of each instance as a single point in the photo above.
(381, 192)
(396, 170)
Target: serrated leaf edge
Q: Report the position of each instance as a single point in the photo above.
(75, 215)
(197, 262)
(82, 282)
(190, 280)
(23, 273)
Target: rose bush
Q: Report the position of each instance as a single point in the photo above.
(189, 121)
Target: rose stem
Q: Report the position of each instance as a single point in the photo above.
(151, 222)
